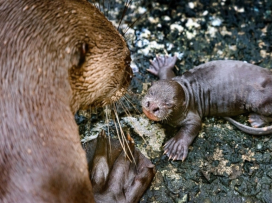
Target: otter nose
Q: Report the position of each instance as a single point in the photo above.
(152, 106)
(155, 109)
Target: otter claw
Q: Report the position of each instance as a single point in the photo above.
(176, 149)
(165, 151)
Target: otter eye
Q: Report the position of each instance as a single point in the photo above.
(168, 105)
(175, 98)
(151, 93)
(79, 55)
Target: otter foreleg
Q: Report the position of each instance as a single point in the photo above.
(177, 147)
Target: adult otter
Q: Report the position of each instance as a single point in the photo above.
(217, 88)
(56, 57)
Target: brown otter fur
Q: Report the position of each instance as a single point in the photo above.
(56, 57)
(109, 168)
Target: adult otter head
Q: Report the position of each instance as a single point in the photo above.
(100, 72)
(61, 40)
(56, 56)
(163, 99)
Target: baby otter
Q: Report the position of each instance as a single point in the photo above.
(218, 88)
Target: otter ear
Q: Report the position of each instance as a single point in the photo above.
(79, 55)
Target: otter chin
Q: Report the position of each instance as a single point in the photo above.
(150, 115)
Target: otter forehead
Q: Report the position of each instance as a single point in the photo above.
(164, 89)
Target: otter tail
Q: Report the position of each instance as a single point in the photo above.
(250, 130)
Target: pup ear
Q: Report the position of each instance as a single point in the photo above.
(79, 55)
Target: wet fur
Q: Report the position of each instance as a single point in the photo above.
(56, 57)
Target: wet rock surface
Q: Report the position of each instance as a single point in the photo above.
(224, 164)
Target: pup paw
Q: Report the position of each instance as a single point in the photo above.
(161, 63)
(176, 149)
(257, 120)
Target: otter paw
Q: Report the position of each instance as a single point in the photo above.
(161, 62)
(257, 120)
(116, 176)
(176, 149)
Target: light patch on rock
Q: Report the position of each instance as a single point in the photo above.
(230, 127)
(191, 23)
(224, 31)
(134, 67)
(169, 46)
(205, 13)
(233, 171)
(215, 21)
(145, 33)
(233, 47)
(220, 52)
(155, 45)
(154, 20)
(146, 86)
(141, 10)
(191, 5)
(179, 55)
(142, 43)
(130, 35)
(212, 31)
(176, 27)
(190, 35)
(249, 156)
(144, 51)
(239, 10)
(166, 18)
(171, 172)
(94, 132)
(263, 53)
(152, 133)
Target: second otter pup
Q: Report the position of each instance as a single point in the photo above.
(217, 88)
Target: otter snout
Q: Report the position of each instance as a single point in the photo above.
(152, 106)
(151, 109)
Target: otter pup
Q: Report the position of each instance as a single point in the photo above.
(217, 88)
(56, 57)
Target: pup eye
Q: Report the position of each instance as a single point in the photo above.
(151, 93)
(168, 105)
